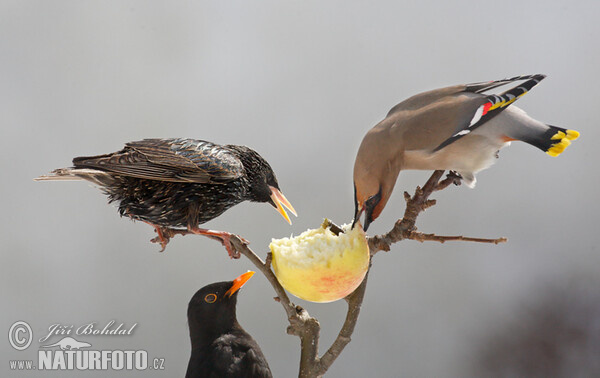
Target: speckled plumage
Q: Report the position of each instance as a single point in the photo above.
(175, 205)
(178, 183)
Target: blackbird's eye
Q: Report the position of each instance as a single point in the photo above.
(210, 298)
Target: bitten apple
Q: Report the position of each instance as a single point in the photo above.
(320, 266)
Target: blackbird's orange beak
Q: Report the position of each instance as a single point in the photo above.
(279, 200)
(238, 283)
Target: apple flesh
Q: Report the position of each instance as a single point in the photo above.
(320, 266)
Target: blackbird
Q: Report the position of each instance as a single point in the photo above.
(457, 128)
(220, 346)
(177, 184)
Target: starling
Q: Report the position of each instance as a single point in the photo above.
(220, 346)
(457, 128)
(175, 185)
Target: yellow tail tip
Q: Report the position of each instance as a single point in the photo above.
(557, 148)
(572, 134)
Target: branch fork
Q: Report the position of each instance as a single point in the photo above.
(308, 328)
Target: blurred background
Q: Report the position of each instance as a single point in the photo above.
(301, 82)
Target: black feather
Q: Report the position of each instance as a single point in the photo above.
(220, 346)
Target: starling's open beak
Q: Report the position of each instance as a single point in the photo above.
(238, 283)
(279, 199)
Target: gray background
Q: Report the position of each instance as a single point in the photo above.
(301, 82)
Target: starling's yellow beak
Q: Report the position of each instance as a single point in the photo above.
(279, 199)
(238, 283)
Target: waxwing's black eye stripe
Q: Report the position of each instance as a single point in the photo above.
(374, 200)
(210, 298)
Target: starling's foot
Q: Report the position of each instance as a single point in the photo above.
(244, 241)
(163, 236)
(222, 236)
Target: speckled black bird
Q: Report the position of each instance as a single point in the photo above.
(220, 346)
(175, 184)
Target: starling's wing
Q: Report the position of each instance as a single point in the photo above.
(174, 160)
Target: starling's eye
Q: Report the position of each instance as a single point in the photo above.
(210, 298)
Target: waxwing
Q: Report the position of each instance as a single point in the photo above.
(458, 128)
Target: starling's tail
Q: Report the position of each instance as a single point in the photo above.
(75, 174)
(62, 174)
(554, 141)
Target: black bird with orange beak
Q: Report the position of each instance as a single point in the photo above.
(175, 184)
(220, 346)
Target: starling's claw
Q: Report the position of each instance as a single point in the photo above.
(233, 253)
(163, 242)
(222, 236)
(225, 240)
(163, 236)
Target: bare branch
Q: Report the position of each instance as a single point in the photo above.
(405, 227)
(301, 323)
(345, 336)
(451, 178)
(307, 327)
(243, 248)
(419, 236)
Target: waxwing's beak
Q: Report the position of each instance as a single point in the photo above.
(357, 213)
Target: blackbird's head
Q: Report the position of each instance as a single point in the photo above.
(212, 309)
(262, 183)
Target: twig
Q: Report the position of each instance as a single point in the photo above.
(243, 248)
(405, 227)
(345, 336)
(419, 236)
(451, 178)
(301, 323)
(307, 327)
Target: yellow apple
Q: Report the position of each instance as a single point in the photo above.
(320, 266)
